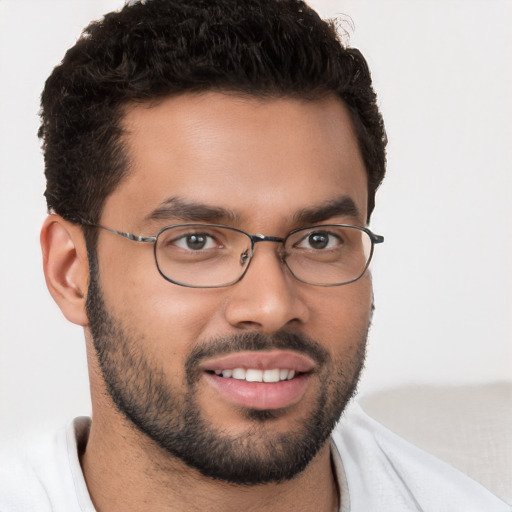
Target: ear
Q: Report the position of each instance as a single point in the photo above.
(66, 268)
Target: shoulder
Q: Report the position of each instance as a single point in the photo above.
(42, 472)
(21, 488)
(386, 472)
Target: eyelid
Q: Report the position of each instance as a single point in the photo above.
(173, 233)
(191, 229)
(181, 240)
(304, 236)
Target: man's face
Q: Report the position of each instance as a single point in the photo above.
(166, 351)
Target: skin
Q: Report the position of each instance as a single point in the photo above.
(265, 161)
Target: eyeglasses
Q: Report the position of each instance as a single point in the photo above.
(211, 255)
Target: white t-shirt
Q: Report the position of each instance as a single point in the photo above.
(376, 470)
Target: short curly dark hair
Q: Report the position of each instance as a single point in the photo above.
(157, 48)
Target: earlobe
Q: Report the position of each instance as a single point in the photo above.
(66, 268)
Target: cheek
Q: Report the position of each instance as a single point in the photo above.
(359, 301)
(165, 317)
(341, 315)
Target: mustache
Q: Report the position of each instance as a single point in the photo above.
(254, 342)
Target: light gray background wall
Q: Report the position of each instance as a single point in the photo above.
(443, 278)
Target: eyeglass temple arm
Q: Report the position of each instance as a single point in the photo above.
(129, 236)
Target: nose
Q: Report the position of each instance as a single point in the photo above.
(266, 299)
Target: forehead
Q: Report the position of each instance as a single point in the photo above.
(261, 159)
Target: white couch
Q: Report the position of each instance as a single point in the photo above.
(469, 426)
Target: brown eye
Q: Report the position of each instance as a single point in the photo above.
(195, 242)
(318, 240)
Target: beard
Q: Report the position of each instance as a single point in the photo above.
(172, 418)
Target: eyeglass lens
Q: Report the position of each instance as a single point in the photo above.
(209, 256)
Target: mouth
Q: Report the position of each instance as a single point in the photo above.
(260, 380)
(255, 375)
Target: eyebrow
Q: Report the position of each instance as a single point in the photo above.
(343, 206)
(178, 209)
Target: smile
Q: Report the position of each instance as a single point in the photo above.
(256, 375)
(260, 380)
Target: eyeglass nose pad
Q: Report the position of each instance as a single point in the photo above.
(244, 257)
(283, 254)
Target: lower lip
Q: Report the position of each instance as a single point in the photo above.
(260, 395)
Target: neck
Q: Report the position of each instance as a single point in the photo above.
(124, 470)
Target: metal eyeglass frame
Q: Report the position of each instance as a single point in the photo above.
(375, 239)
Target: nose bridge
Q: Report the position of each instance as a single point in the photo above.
(264, 238)
(265, 298)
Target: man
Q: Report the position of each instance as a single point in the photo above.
(211, 169)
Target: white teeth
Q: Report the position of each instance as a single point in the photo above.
(255, 375)
(252, 375)
(271, 375)
(239, 373)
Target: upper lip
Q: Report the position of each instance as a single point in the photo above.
(261, 360)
